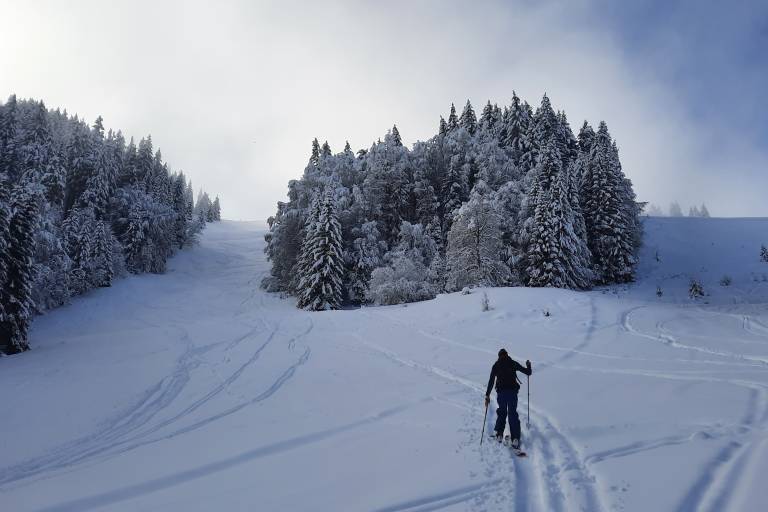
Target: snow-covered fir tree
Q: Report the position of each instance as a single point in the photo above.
(19, 308)
(610, 212)
(321, 281)
(468, 120)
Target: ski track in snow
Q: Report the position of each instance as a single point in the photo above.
(728, 463)
(128, 433)
(562, 473)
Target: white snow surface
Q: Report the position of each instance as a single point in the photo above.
(197, 391)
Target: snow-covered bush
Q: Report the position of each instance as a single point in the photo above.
(695, 289)
(726, 281)
(764, 253)
(485, 303)
(403, 281)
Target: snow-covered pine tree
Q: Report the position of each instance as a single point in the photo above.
(516, 135)
(181, 221)
(315, 156)
(304, 259)
(5, 243)
(443, 128)
(79, 233)
(325, 149)
(396, 136)
(321, 287)
(574, 259)
(453, 192)
(216, 210)
(541, 256)
(103, 255)
(586, 138)
(145, 159)
(610, 213)
(9, 126)
(545, 126)
(453, 120)
(703, 211)
(468, 120)
(20, 273)
(487, 119)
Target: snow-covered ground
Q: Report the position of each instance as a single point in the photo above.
(196, 390)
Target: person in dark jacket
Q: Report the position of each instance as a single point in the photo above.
(504, 372)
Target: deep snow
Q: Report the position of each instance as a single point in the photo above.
(196, 390)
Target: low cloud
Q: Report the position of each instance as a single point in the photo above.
(234, 94)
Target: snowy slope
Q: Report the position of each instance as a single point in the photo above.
(195, 390)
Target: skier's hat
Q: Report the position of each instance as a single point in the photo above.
(502, 352)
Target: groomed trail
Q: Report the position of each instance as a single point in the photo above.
(197, 391)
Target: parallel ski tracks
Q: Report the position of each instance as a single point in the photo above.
(563, 478)
(713, 488)
(134, 428)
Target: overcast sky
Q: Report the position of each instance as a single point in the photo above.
(233, 92)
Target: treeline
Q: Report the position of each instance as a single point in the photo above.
(512, 198)
(78, 208)
(676, 211)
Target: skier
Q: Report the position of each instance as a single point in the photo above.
(504, 373)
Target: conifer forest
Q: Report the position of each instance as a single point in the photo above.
(80, 207)
(510, 198)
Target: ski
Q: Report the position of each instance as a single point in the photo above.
(517, 451)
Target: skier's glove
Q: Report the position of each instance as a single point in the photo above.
(528, 364)
(487, 400)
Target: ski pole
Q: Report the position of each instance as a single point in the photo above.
(528, 420)
(482, 434)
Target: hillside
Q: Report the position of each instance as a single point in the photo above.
(196, 390)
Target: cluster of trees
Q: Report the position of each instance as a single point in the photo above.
(512, 198)
(675, 210)
(79, 207)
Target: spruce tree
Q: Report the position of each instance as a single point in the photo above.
(443, 128)
(586, 138)
(9, 122)
(541, 258)
(315, 156)
(487, 119)
(610, 213)
(20, 273)
(321, 287)
(396, 136)
(468, 120)
(5, 246)
(453, 120)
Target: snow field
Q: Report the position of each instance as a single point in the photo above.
(195, 390)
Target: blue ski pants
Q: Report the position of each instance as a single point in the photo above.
(507, 400)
